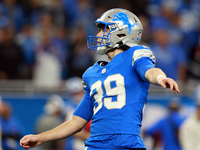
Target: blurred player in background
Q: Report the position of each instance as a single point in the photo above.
(75, 90)
(11, 127)
(52, 117)
(189, 133)
(165, 131)
(115, 91)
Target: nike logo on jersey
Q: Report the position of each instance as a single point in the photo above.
(103, 71)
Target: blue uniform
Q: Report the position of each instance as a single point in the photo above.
(168, 128)
(115, 95)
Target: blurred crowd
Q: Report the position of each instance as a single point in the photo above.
(45, 41)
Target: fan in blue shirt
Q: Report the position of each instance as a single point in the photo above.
(115, 91)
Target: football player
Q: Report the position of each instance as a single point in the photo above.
(115, 91)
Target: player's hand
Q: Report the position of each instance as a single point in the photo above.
(30, 141)
(169, 83)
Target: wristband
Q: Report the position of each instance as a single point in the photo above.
(160, 77)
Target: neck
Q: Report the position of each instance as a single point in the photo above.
(112, 54)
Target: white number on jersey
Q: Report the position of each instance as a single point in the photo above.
(118, 90)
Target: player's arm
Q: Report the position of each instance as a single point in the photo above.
(144, 62)
(84, 134)
(64, 130)
(81, 117)
(157, 76)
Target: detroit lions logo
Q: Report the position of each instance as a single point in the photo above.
(121, 16)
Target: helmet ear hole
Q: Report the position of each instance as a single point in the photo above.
(121, 35)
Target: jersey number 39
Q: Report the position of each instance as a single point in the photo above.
(118, 91)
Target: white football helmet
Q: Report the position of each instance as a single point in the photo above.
(125, 29)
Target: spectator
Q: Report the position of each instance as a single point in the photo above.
(12, 129)
(194, 63)
(45, 23)
(189, 134)
(52, 117)
(79, 58)
(11, 56)
(56, 8)
(189, 23)
(3, 20)
(14, 13)
(60, 41)
(47, 69)
(79, 13)
(172, 19)
(1, 36)
(28, 43)
(33, 11)
(169, 56)
(147, 36)
(165, 131)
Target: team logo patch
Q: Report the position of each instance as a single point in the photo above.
(139, 36)
(123, 17)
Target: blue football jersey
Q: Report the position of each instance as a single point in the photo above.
(115, 93)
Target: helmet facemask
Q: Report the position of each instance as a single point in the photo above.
(101, 44)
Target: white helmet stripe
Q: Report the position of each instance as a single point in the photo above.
(143, 53)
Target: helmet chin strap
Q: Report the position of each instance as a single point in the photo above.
(101, 50)
(116, 46)
(104, 49)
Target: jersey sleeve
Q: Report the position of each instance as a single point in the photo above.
(143, 59)
(84, 109)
